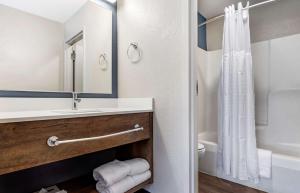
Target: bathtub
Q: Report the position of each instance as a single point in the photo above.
(285, 169)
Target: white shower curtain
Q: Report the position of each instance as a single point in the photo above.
(237, 153)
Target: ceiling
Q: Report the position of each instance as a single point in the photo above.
(211, 8)
(57, 10)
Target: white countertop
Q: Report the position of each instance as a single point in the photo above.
(122, 106)
(20, 116)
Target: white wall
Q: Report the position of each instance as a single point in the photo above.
(31, 50)
(268, 22)
(55, 10)
(161, 29)
(96, 23)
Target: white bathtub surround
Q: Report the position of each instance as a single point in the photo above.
(277, 111)
(285, 169)
(264, 163)
(237, 153)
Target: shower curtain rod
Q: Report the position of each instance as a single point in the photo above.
(221, 16)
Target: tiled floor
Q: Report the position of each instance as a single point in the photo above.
(210, 184)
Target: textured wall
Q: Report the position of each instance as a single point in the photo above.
(161, 29)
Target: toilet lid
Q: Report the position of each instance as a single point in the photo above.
(200, 146)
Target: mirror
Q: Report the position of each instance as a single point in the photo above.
(58, 46)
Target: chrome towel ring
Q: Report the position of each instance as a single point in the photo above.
(134, 53)
(103, 61)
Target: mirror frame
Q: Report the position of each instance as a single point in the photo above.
(114, 94)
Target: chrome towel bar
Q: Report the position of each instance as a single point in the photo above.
(53, 141)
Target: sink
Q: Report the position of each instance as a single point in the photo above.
(79, 111)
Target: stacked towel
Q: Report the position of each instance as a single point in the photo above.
(110, 173)
(120, 187)
(265, 163)
(125, 184)
(120, 176)
(137, 166)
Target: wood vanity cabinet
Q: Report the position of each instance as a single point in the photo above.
(24, 145)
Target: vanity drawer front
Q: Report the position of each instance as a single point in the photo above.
(24, 144)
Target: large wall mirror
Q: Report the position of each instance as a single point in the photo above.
(51, 48)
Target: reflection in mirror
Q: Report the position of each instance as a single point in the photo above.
(56, 45)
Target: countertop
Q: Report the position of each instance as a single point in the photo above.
(21, 116)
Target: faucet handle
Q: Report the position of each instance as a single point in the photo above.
(75, 97)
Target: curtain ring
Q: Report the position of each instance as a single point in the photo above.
(135, 47)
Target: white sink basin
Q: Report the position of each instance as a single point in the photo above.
(79, 111)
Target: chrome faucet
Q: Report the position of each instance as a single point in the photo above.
(75, 100)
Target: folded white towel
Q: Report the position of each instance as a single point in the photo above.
(125, 184)
(265, 163)
(137, 166)
(120, 187)
(110, 173)
(140, 178)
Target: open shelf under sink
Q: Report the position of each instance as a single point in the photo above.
(86, 184)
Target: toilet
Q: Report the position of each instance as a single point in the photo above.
(201, 150)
